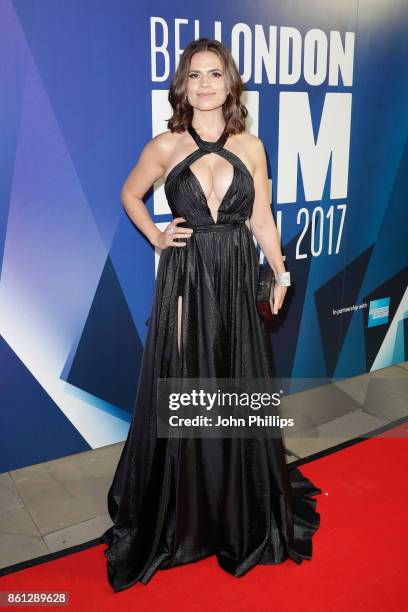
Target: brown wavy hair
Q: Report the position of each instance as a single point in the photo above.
(233, 109)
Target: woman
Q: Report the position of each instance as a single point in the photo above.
(174, 501)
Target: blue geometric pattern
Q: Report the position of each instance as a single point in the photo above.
(77, 277)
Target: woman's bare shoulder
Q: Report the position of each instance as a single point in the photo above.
(252, 141)
(249, 148)
(162, 146)
(255, 149)
(165, 141)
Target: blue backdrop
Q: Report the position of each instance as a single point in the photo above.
(83, 88)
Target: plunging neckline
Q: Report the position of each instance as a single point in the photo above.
(210, 147)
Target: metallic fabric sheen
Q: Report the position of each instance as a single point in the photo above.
(177, 500)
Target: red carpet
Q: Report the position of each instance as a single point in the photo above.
(360, 557)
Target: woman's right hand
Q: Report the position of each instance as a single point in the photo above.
(166, 238)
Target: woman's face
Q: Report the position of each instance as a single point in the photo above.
(206, 85)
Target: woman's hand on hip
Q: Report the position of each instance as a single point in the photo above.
(168, 237)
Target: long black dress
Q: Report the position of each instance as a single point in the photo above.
(177, 500)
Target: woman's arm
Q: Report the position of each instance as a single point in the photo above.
(262, 223)
(150, 166)
(148, 169)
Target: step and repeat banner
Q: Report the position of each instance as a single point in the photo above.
(83, 88)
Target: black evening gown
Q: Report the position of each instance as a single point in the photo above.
(178, 500)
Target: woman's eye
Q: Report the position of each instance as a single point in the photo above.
(216, 74)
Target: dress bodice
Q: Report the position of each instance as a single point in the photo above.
(186, 196)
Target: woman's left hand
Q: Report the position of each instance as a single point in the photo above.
(278, 297)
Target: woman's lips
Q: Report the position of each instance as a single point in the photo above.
(204, 95)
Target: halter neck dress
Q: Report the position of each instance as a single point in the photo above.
(177, 500)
